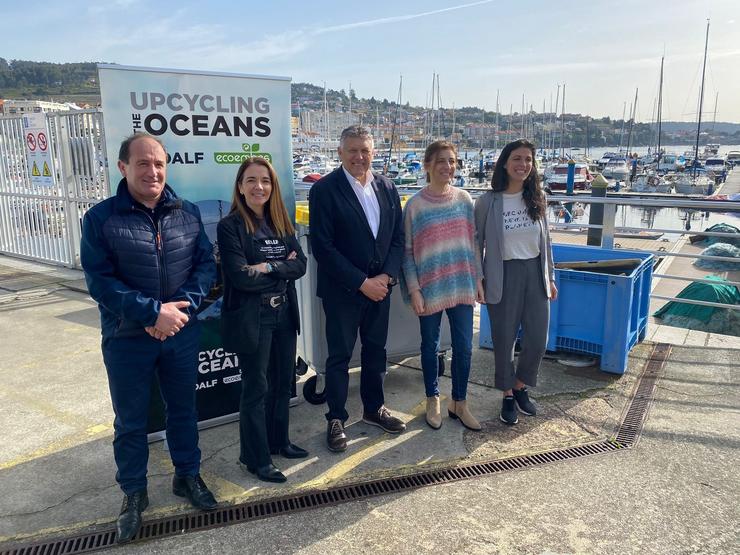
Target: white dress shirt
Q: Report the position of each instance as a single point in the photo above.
(366, 195)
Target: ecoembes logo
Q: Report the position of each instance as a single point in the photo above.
(248, 151)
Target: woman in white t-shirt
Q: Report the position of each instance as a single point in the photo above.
(519, 279)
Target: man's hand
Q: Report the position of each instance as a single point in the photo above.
(375, 288)
(171, 319)
(155, 333)
(417, 302)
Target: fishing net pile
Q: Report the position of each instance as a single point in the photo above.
(718, 228)
(704, 318)
(720, 249)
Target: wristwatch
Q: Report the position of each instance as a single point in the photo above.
(270, 267)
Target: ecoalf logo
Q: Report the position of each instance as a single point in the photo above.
(248, 151)
(216, 360)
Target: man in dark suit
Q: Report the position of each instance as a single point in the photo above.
(357, 239)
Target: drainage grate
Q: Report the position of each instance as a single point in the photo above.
(627, 436)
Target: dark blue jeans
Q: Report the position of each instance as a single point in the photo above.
(461, 331)
(131, 363)
(267, 375)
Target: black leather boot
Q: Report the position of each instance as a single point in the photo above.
(129, 521)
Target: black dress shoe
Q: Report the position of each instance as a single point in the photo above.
(195, 490)
(129, 520)
(336, 439)
(290, 451)
(268, 473)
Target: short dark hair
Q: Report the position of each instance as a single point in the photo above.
(124, 152)
(355, 132)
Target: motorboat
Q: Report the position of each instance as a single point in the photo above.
(694, 183)
(604, 160)
(616, 168)
(718, 166)
(651, 182)
(559, 178)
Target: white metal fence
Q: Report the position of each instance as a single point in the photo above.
(44, 222)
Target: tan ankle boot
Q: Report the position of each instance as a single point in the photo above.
(459, 409)
(434, 415)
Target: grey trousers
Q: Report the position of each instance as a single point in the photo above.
(523, 303)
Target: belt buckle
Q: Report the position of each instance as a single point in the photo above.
(276, 301)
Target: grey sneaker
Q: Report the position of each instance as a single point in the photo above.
(524, 403)
(508, 411)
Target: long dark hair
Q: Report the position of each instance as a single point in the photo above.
(275, 210)
(533, 196)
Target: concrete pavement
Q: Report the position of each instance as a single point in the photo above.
(676, 491)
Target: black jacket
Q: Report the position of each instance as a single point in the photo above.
(133, 265)
(341, 239)
(243, 290)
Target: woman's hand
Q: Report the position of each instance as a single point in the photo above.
(553, 291)
(417, 302)
(260, 268)
(480, 294)
(292, 255)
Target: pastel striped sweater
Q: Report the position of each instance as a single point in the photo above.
(440, 252)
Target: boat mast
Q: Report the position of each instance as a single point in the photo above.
(716, 99)
(523, 128)
(660, 107)
(495, 134)
(621, 133)
(632, 122)
(326, 124)
(562, 124)
(701, 99)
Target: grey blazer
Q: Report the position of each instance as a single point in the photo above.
(489, 228)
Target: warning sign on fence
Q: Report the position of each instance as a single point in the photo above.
(40, 163)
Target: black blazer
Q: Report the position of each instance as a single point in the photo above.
(341, 240)
(243, 290)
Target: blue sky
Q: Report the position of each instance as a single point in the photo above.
(602, 50)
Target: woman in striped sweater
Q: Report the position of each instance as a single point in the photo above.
(442, 273)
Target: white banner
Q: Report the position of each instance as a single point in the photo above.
(209, 122)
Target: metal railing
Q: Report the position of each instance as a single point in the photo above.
(609, 229)
(41, 221)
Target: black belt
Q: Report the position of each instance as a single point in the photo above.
(274, 300)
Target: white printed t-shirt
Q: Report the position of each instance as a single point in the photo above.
(521, 233)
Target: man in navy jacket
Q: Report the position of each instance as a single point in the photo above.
(148, 264)
(356, 233)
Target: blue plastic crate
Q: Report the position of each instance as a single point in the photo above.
(598, 314)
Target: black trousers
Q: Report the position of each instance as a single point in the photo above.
(343, 320)
(267, 375)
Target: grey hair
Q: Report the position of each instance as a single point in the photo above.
(355, 132)
(124, 152)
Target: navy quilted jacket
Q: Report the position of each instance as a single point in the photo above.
(132, 264)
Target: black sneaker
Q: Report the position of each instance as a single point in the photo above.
(508, 411)
(524, 403)
(384, 419)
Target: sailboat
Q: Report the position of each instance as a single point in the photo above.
(695, 183)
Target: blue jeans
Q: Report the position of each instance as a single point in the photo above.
(461, 330)
(131, 362)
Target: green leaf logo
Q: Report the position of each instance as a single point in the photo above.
(255, 148)
(246, 147)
